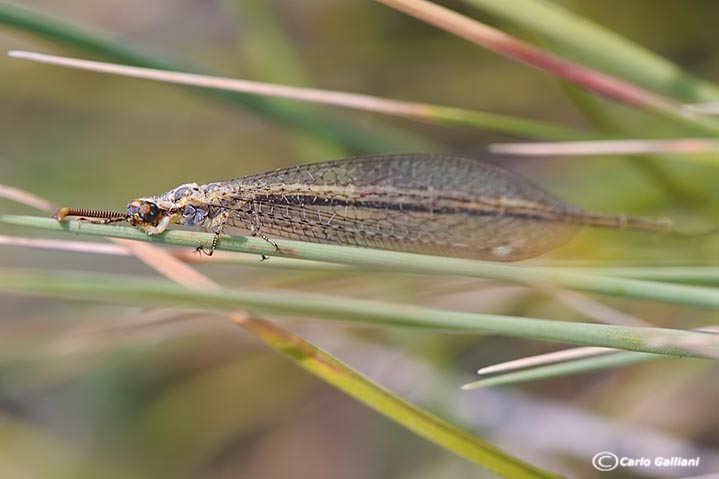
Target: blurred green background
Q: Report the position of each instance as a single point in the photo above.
(88, 391)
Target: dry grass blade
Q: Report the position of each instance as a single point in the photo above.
(187, 256)
(511, 47)
(26, 198)
(607, 147)
(569, 357)
(350, 100)
(543, 359)
(58, 245)
(412, 110)
(518, 50)
(711, 108)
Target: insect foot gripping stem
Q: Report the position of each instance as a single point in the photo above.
(274, 245)
(213, 246)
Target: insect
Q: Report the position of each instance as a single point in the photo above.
(421, 203)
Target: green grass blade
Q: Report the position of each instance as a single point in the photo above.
(594, 45)
(696, 296)
(137, 290)
(706, 275)
(503, 123)
(395, 408)
(263, 40)
(332, 130)
(699, 275)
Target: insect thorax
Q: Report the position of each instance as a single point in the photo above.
(206, 206)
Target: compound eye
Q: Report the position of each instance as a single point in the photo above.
(148, 211)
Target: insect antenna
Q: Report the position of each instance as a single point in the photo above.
(105, 216)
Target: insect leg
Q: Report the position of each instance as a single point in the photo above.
(213, 245)
(274, 245)
(216, 226)
(256, 228)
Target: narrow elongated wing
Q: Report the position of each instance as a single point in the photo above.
(430, 204)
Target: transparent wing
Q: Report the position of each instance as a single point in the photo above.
(458, 235)
(402, 208)
(412, 172)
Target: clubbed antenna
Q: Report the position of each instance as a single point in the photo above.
(104, 216)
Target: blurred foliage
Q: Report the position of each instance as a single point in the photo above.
(97, 392)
